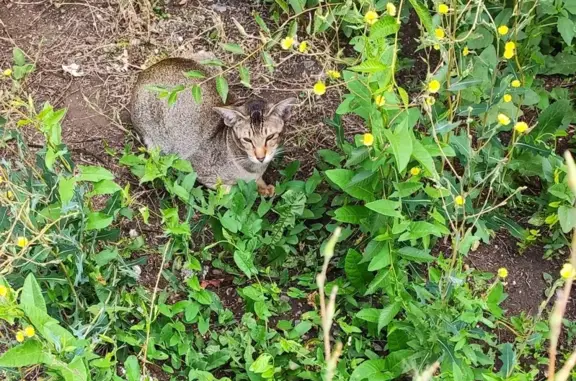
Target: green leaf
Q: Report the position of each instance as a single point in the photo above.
(357, 156)
(404, 96)
(356, 272)
(566, 29)
(421, 155)
(222, 87)
(381, 260)
(94, 174)
(297, 5)
(197, 94)
(233, 48)
(105, 187)
(244, 76)
(488, 57)
(262, 363)
(268, 61)
(202, 297)
(19, 57)
(262, 310)
(378, 282)
(217, 359)
(423, 15)
(351, 183)
(66, 188)
(551, 119)
(387, 314)
(132, 367)
(98, 221)
(194, 74)
(32, 296)
(300, 330)
(369, 66)
(464, 84)
(369, 369)
(352, 214)
(261, 23)
(26, 354)
(567, 218)
(401, 142)
(106, 256)
(415, 255)
(508, 358)
(385, 207)
(384, 27)
(369, 314)
(245, 263)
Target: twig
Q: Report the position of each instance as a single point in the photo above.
(327, 312)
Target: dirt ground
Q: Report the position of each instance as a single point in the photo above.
(111, 40)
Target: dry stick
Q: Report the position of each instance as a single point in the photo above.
(327, 312)
(560, 306)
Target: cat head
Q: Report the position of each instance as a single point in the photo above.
(258, 126)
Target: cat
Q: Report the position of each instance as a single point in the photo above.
(224, 143)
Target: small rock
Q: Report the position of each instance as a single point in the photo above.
(219, 8)
(216, 272)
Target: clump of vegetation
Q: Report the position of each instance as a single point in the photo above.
(357, 272)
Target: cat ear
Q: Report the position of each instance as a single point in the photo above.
(229, 115)
(284, 108)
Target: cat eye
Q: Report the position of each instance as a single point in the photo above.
(271, 137)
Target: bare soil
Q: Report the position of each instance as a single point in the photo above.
(525, 284)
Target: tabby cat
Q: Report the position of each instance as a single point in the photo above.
(224, 143)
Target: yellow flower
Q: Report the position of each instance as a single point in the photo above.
(29, 331)
(507, 98)
(465, 51)
(287, 42)
(370, 17)
(391, 9)
(380, 100)
(334, 74)
(22, 241)
(10, 195)
(520, 127)
(433, 86)
(7, 72)
(503, 119)
(443, 9)
(510, 45)
(508, 54)
(303, 47)
(502, 30)
(439, 33)
(19, 336)
(502, 272)
(430, 100)
(3, 290)
(319, 88)
(568, 271)
(516, 83)
(415, 171)
(459, 200)
(368, 139)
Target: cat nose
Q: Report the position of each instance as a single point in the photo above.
(260, 153)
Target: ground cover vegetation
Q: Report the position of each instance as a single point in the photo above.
(359, 269)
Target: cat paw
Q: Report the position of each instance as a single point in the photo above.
(266, 190)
